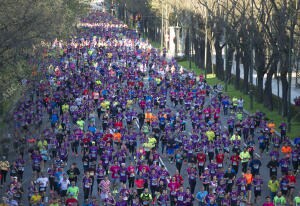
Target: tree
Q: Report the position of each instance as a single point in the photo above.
(24, 24)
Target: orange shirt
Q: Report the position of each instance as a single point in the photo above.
(148, 116)
(286, 149)
(117, 137)
(271, 126)
(153, 118)
(249, 178)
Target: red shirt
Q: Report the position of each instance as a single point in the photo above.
(85, 92)
(220, 158)
(139, 183)
(235, 159)
(71, 201)
(86, 140)
(179, 179)
(141, 84)
(292, 179)
(107, 137)
(118, 124)
(201, 157)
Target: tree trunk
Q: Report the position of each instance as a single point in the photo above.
(187, 44)
(230, 52)
(246, 65)
(197, 51)
(260, 86)
(200, 53)
(260, 64)
(284, 82)
(237, 69)
(268, 96)
(219, 60)
(208, 60)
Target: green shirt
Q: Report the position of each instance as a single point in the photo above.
(80, 124)
(297, 200)
(234, 101)
(146, 197)
(74, 191)
(279, 200)
(239, 116)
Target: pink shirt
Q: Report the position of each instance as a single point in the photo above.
(114, 171)
(105, 185)
(268, 204)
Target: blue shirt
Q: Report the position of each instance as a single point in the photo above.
(54, 118)
(201, 195)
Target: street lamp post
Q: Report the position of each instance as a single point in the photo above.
(226, 48)
(206, 43)
(190, 50)
(251, 58)
(162, 26)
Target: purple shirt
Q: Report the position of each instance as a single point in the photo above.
(257, 183)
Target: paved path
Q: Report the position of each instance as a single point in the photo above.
(170, 166)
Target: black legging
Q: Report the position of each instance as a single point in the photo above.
(131, 149)
(52, 183)
(131, 182)
(244, 166)
(75, 146)
(192, 184)
(86, 192)
(153, 189)
(178, 166)
(3, 179)
(20, 175)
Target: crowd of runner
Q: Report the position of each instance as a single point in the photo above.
(95, 131)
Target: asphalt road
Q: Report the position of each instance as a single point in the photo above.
(28, 175)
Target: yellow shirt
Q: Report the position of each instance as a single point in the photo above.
(273, 186)
(36, 198)
(65, 108)
(152, 141)
(245, 156)
(210, 135)
(42, 144)
(234, 137)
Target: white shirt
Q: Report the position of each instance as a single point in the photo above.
(240, 102)
(42, 181)
(64, 184)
